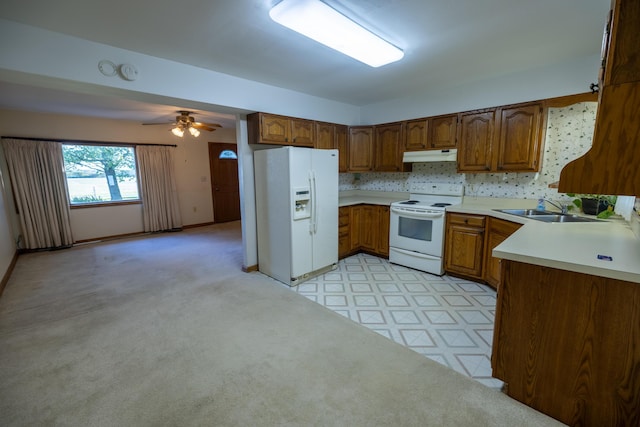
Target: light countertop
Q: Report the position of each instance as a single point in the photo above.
(357, 197)
(567, 246)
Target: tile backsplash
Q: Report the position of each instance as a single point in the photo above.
(568, 136)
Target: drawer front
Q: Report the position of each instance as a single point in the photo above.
(469, 220)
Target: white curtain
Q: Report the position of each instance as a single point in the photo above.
(160, 209)
(36, 169)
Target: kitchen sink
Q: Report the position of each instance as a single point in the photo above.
(546, 216)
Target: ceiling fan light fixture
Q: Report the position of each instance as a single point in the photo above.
(320, 22)
(194, 132)
(177, 131)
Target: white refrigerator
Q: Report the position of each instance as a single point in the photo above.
(297, 212)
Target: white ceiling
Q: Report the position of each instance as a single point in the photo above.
(446, 43)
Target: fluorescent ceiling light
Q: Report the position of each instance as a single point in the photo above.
(318, 21)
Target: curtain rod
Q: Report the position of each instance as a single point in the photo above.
(82, 141)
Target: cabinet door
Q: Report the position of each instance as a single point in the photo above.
(302, 132)
(360, 149)
(521, 138)
(344, 232)
(416, 135)
(499, 231)
(274, 128)
(355, 224)
(325, 136)
(475, 142)
(369, 228)
(442, 132)
(342, 144)
(464, 245)
(388, 144)
(383, 231)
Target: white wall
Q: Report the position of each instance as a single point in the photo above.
(192, 166)
(565, 78)
(46, 59)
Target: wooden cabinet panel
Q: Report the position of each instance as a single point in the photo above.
(388, 144)
(363, 228)
(464, 245)
(355, 223)
(506, 139)
(476, 141)
(369, 228)
(611, 165)
(382, 247)
(498, 231)
(566, 344)
(264, 128)
(521, 138)
(622, 45)
(360, 149)
(274, 129)
(443, 132)
(344, 231)
(342, 144)
(416, 135)
(302, 132)
(325, 135)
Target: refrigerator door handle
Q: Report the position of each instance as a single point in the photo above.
(314, 198)
(312, 201)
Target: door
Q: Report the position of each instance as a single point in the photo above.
(324, 164)
(225, 189)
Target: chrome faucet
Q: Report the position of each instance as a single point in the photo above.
(563, 208)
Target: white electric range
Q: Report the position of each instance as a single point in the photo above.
(416, 232)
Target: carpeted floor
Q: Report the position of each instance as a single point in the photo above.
(166, 330)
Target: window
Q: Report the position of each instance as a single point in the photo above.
(228, 154)
(100, 173)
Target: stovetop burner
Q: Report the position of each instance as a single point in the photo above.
(440, 205)
(410, 202)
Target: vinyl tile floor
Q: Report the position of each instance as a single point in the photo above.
(446, 319)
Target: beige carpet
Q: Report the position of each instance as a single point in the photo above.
(166, 330)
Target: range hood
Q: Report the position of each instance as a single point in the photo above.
(430, 156)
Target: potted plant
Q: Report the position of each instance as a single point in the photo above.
(594, 204)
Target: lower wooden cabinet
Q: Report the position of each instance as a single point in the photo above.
(567, 344)
(498, 230)
(363, 228)
(469, 242)
(464, 245)
(382, 246)
(344, 236)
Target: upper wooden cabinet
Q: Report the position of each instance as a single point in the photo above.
(416, 135)
(432, 133)
(342, 144)
(325, 135)
(442, 132)
(504, 139)
(476, 141)
(388, 143)
(360, 149)
(266, 128)
(520, 140)
(611, 165)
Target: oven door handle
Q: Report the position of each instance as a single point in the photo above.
(418, 215)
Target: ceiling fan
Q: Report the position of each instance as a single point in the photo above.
(186, 122)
